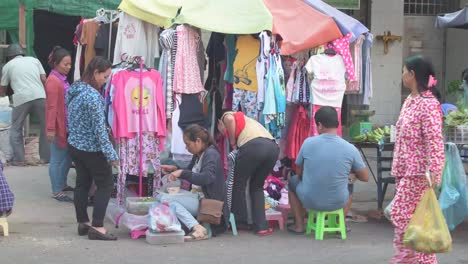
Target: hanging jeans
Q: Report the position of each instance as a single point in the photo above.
(91, 166)
(255, 161)
(60, 162)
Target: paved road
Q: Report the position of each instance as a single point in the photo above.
(44, 231)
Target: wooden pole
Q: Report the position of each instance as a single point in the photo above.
(22, 42)
(22, 25)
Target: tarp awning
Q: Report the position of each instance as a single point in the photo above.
(346, 23)
(160, 13)
(457, 19)
(300, 26)
(226, 16)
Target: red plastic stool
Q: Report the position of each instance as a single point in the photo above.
(273, 215)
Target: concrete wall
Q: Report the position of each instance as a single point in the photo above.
(386, 68)
(421, 37)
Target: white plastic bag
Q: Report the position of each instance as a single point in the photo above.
(163, 219)
(388, 211)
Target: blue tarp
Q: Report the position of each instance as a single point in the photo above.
(457, 19)
(345, 23)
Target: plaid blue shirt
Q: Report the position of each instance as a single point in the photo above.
(6, 196)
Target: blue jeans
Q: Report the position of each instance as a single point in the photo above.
(60, 162)
(186, 213)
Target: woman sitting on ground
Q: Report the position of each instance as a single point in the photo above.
(206, 171)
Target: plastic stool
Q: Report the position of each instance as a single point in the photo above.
(331, 225)
(232, 222)
(275, 216)
(4, 225)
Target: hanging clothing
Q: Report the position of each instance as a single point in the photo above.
(88, 38)
(262, 67)
(77, 65)
(342, 47)
(103, 43)
(231, 53)
(230, 179)
(298, 132)
(129, 154)
(216, 54)
(313, 128)
(275, 98)
(328, 84)
(291, 84)
(356, 51)
(136, 38)
(168, 41)
(186, 73)
(177, 141)
(191, 111)
(247, 101)
(245, 74)
(126, 104)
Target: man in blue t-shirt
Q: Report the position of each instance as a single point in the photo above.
(323, 166)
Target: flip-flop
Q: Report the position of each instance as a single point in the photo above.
(68, 189)
(267, 232)
(356, 219)
(292, 231)
(191, 237)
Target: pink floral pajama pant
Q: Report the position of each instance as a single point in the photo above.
(409, 192)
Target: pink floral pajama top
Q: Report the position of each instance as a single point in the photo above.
(419, 144)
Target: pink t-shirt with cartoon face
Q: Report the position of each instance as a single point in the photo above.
(127, 99)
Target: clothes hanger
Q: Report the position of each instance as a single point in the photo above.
(330, 50)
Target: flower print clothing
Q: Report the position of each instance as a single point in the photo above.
(342, 47)
(129, 153)
(247, 100)
(328, 84)
(87, 125)
(187, 71)
(419, 142)
(407, 197)
(419, 146)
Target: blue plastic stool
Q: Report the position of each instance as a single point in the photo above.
(232, 222)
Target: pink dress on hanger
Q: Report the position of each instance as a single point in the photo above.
(187, 78)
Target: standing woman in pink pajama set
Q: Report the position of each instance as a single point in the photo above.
(419, 147)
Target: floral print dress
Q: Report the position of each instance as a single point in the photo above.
(419, 147)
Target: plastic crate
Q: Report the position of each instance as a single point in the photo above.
(165, 238)
(137, 207)
(457, 135)
(359, 129)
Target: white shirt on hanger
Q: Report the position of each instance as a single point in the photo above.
(328, 85)
(136, 38)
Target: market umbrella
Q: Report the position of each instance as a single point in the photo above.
(346, 23)
(457, 19)
(300, 26)
(159, 12)
(226, 16)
